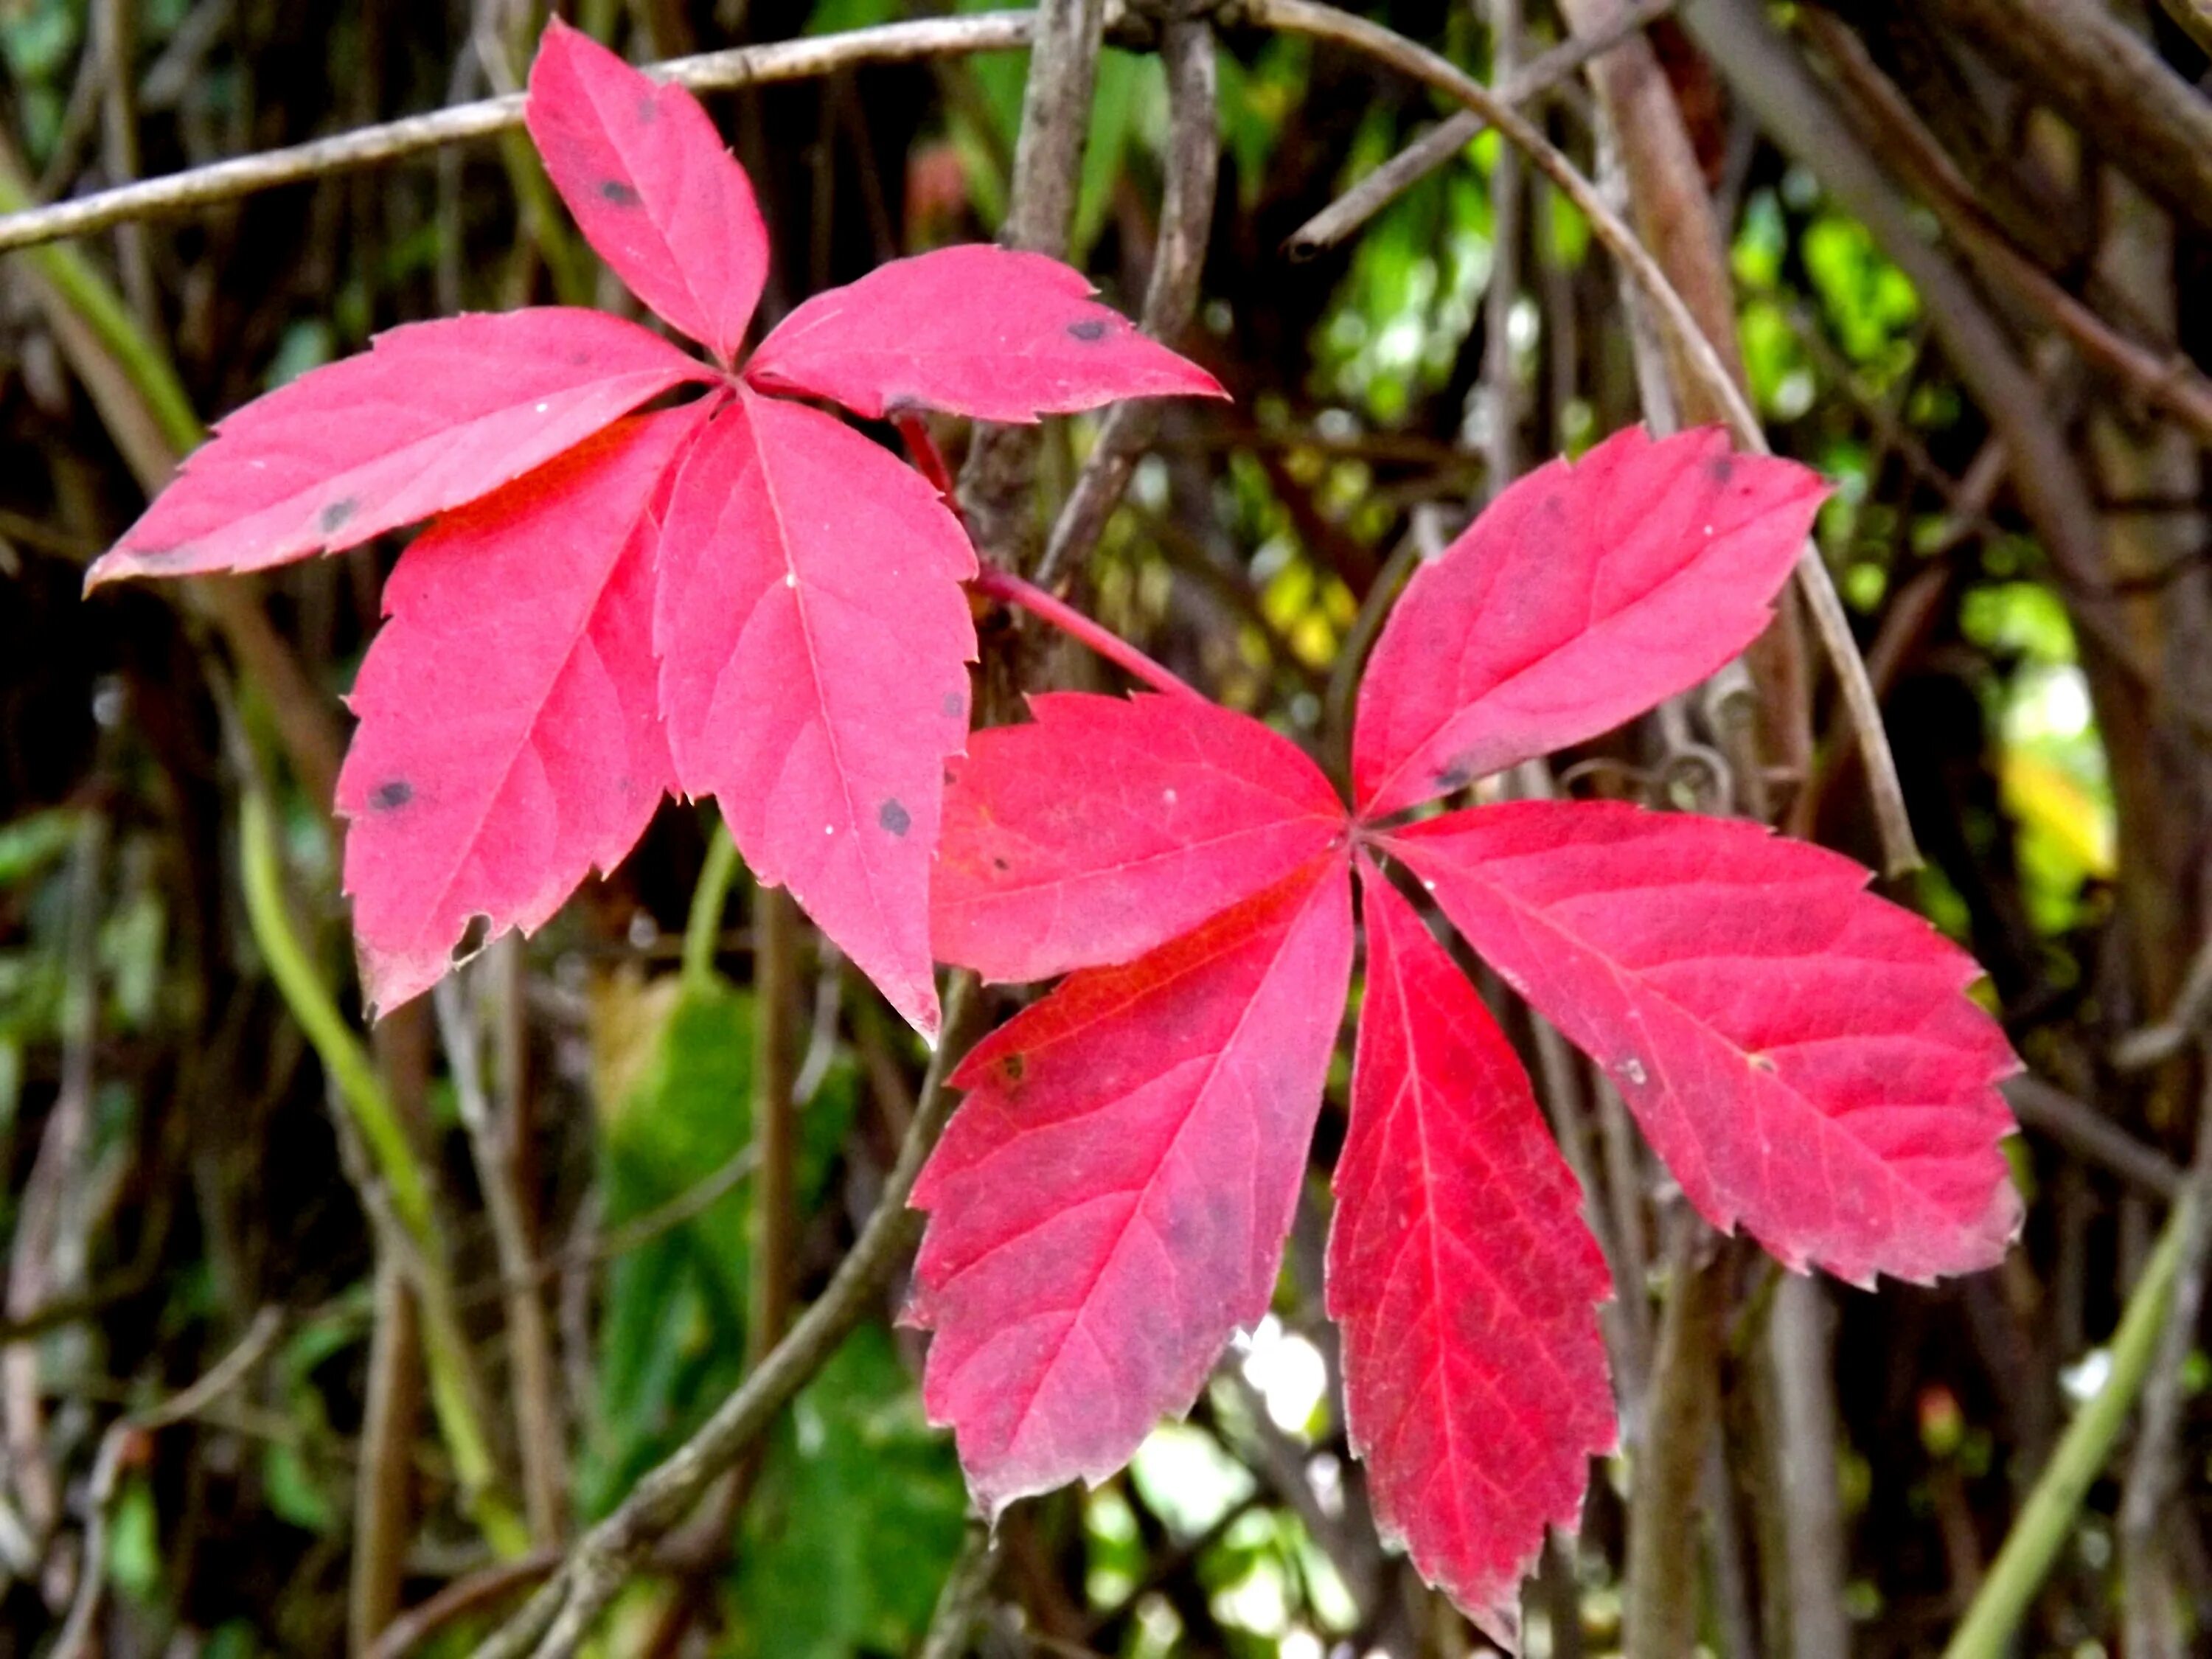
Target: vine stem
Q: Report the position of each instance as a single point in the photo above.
(1007, 587)
(2047, 1520)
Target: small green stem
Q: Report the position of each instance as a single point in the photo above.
(702, 928)
(361, 1089)
(2047, 1520)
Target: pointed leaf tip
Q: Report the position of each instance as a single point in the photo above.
(1464, 1280)
(1802, 1053)
(1111, 1202)
(432, 416)
(1586, 593)
(976, 329)
(651, 185)
(813, 641)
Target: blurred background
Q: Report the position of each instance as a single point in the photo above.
(1959, 252)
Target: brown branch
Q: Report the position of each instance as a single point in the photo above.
(2091, 1136)
(1000, 471)
(2108, 81)
(1892, 128)
(557, 1618)
(1543, 74)
(1194, 162)
(742, 66)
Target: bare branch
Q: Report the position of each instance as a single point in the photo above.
(1542, 75)
(1193, 161)
(741, 66)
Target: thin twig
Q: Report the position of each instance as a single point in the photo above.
(2092, 1136)
(960, 1603)
(557, 1618)
(2151, 1623)
(1194, 161)
(1543, 73)
(1830, 621)
(491, 1146)
(742, 66)
(460, 1599)
(2154, 1045)
(116, 1448)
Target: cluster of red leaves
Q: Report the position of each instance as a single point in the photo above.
(1110, 1203)
(739, 597)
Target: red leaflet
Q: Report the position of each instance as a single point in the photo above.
(655, 193)
(1797, 1050)
(1111, 1202)
(436, 415)
(812, 635)
(1464, 1279)
(802, 635)
(1801, 1055)
(1108, 826)
(524, 622)
(1584, 595)
(978, 330)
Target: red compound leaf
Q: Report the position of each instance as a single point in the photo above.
(1584, 595)
(433, 416)
(1110, 1202)
(1108, 826)
(650, 183)
(1802, 1053)
(976, 329)
(813, 639)
(1464, 1279)
(510, 741)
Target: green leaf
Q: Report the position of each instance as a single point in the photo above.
(857, 1518)
(675, 1084)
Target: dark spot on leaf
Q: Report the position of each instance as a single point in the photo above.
(335, 515)
(390, 797)
(1721, 469)
(618, 193)
(894, 818)
(1090, 330)
(997, 863)
(1014, 1067)
(1454, 777)
(954, 705)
